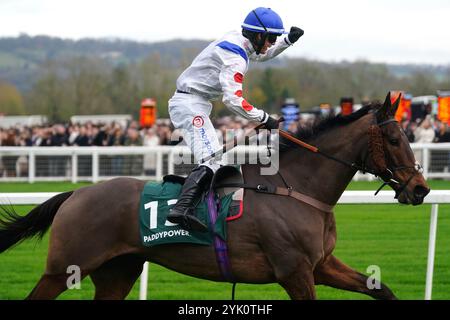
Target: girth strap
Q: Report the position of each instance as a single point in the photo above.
(289, 192)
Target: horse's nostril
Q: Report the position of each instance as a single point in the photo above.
(421, 191)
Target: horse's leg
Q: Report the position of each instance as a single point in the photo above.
(300, 284)
(49, 287)
(115, 278)
(336, 274)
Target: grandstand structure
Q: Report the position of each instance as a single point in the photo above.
(28, 121)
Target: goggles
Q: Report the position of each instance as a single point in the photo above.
(272, 38)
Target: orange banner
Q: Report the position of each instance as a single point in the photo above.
(404, 108)
(148, 113)
(346, 105)
(444, 108)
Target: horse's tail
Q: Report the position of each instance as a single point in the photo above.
(15, 228)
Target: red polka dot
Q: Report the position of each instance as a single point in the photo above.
(238, 77)
(247, 106)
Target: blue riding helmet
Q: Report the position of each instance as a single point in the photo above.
(264, 20)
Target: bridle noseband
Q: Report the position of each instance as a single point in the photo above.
(382, 170)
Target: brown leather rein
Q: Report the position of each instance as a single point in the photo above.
(376, 150)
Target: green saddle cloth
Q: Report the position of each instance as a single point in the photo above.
(157, 198)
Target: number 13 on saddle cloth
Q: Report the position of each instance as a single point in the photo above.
(158, 197)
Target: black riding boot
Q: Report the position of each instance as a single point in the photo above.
(183, 211)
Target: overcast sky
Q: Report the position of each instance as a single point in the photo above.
(395, 31)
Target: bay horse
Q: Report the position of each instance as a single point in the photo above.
(278, 239)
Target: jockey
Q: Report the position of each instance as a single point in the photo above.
(219, 70)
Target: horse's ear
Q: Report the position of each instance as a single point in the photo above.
(383, 112)
(394, 107)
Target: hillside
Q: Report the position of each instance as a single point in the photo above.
(21, 57)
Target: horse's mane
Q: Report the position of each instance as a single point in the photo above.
(306, 133)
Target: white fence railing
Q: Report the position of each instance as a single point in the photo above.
(435, 198)
(75, 164)
(99, 163)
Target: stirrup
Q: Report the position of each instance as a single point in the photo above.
(187, 220)
(191, 222)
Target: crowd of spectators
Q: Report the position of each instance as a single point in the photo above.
(113, 134)
(426, 130)
(88, 134)
(420, 131)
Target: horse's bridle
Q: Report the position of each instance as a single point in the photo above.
(387, 175)
(385, 172)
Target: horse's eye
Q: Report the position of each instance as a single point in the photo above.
(394, 142)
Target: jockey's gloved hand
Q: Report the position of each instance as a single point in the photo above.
(271, 123)
(294, 34)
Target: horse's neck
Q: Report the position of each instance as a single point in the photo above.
(320, 177)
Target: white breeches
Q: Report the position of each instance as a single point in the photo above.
(190, 113)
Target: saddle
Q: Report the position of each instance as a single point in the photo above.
(225, 176)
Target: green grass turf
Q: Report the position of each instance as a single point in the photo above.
(40, 186)
(393, 237)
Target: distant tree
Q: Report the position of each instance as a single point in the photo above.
(122, 91)
(156, 81)
(422, 83)
(257, 96)
(47, 96)
(90, 76)
(87, 85)
(219, 110)
(270, 88)
(11, 102)
(445, 83)
(76, 86)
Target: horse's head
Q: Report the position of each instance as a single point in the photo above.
(392, 157)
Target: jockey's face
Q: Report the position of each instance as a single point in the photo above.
(266, 45)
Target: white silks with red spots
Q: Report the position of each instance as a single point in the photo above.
(220, 70)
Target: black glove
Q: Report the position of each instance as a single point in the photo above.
(295, 34)
(271, 123)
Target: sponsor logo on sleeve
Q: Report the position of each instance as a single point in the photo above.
(198, 121)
